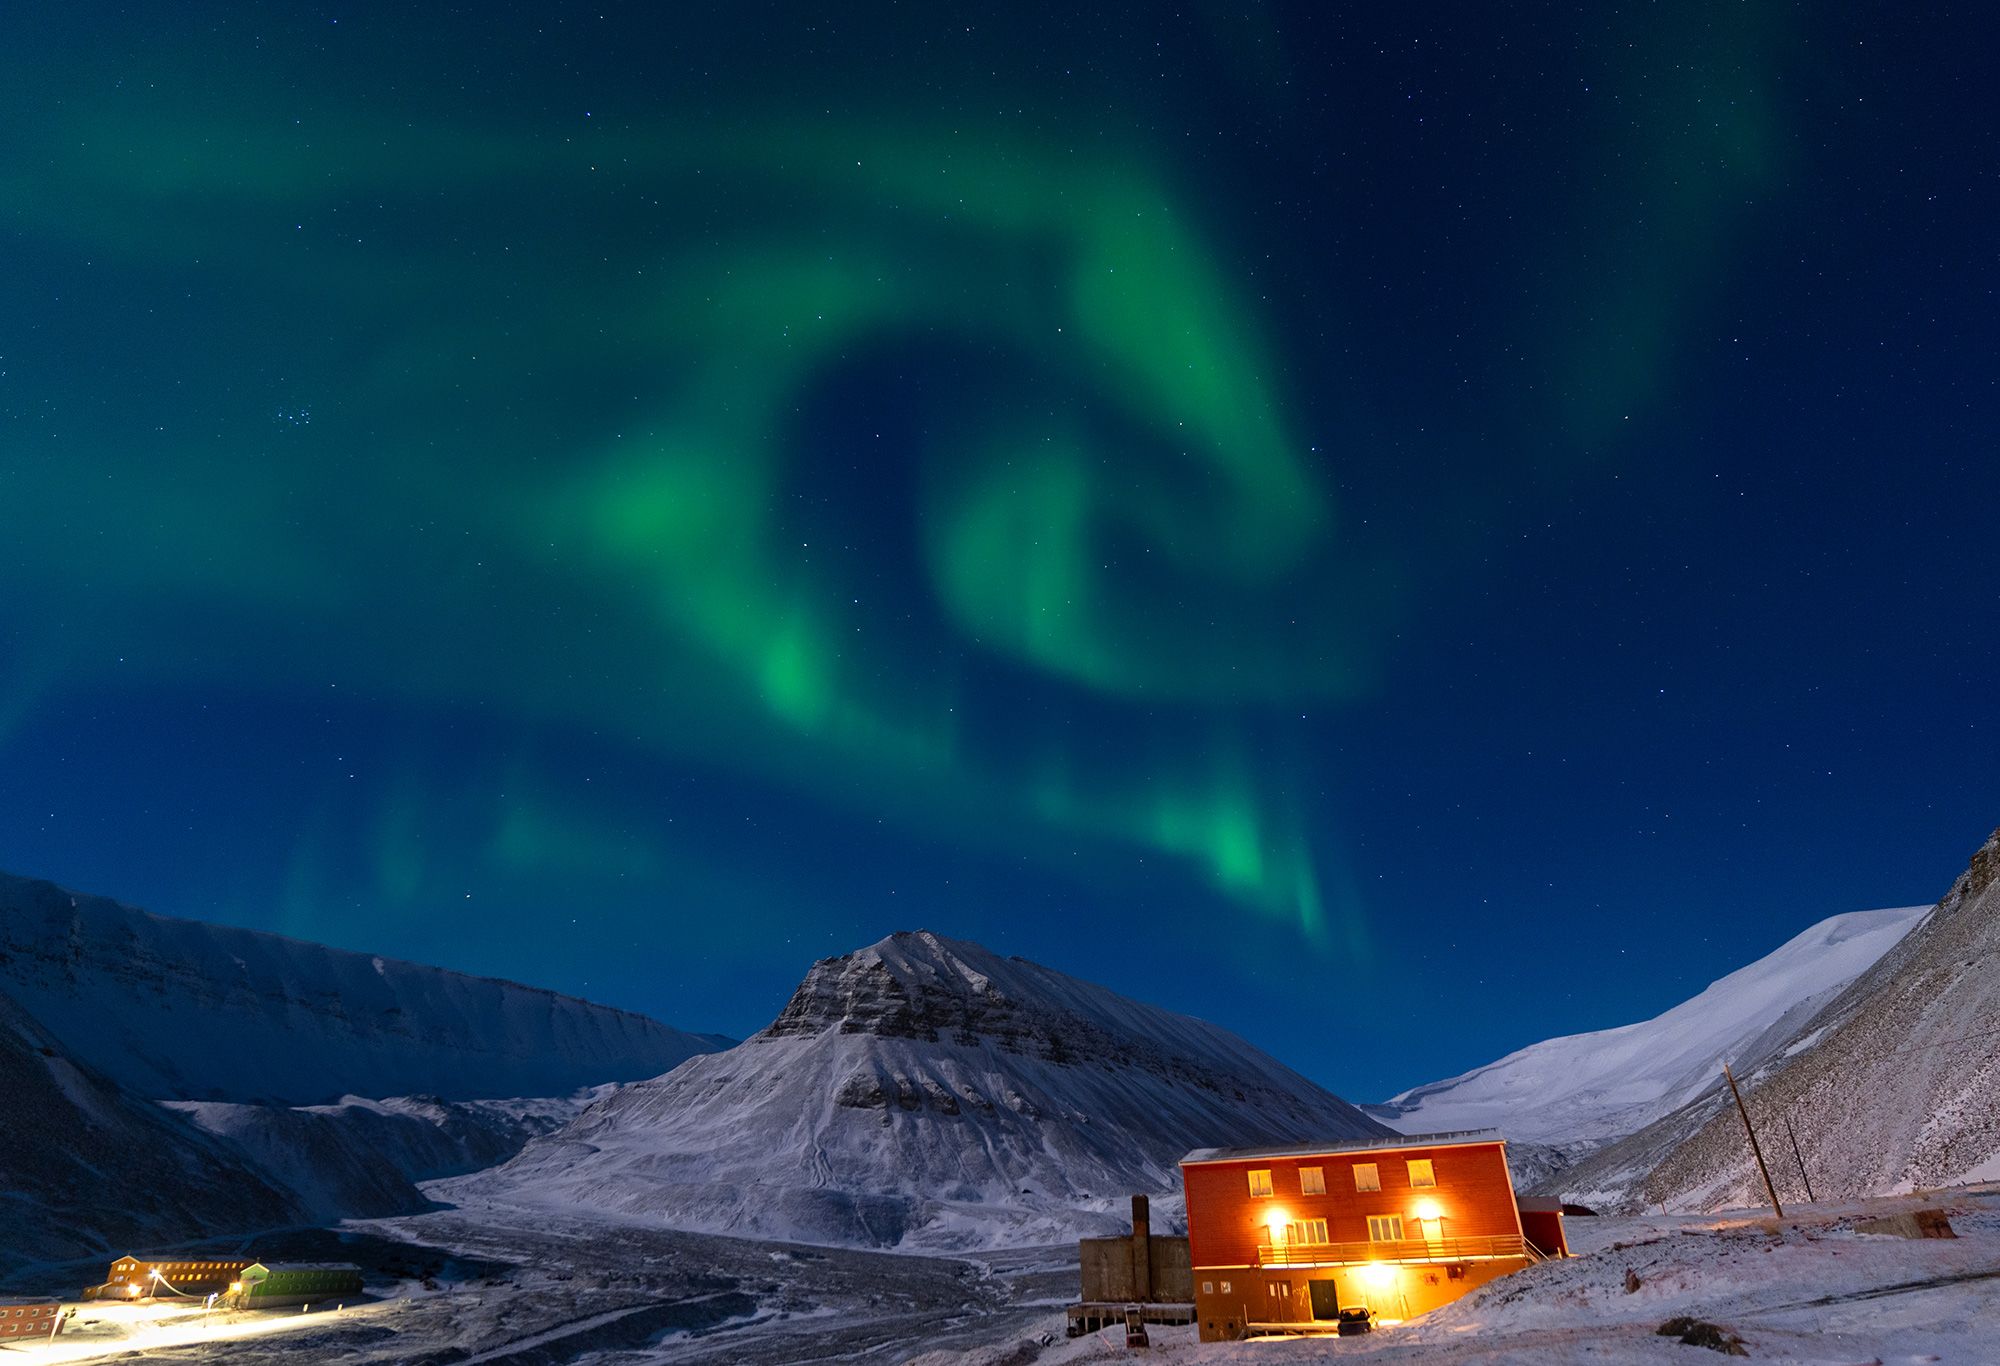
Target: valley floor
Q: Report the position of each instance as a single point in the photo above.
(533, 1290)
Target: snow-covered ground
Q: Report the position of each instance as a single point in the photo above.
(549, 1291)
(1807, 1290)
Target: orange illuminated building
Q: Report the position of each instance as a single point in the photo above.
(165, 1278)
(1282, 1239)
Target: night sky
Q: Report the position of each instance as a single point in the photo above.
(1402, 530)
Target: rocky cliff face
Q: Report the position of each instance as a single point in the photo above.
(1895, 1084)
(929, 1091)
(179, 1009)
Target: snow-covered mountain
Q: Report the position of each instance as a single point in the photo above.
(85, 1167)
(923, 1091)
(180, 1009)
(1583, 1090)
(1895, 1085)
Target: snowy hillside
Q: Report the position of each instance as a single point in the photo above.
(1582, 1090)
(362, 1158)
(928, 1092)
(185, 1010)
(1894, 1086)
(85, 1167)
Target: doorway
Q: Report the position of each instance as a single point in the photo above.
(1325, 1298)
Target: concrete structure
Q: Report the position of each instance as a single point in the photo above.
(278, 1284)
(134, 1278)
(27, 1319)
(1140, 1271)
(1282, 1239)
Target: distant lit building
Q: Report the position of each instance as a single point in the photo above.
(29, 1318)
(1282, 1239)
(134, 1278)
(276, 1284)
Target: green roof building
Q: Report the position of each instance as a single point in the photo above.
(271, 1285)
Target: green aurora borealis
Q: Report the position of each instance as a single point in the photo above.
(927, 443)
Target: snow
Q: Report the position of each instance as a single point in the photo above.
(178, 1009)
(1590, 1088)
(545, 1287)
(923, 1092)
(1898, 1088)
(1810, 1290)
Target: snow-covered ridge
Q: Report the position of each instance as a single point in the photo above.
(180, 1009)
(1893, 1086)
(1584, 1089)
(930, 1092)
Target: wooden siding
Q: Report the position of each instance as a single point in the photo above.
(1474, 1195)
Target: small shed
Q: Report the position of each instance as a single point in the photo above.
(1542, 1224)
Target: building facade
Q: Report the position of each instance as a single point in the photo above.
(1285, 1238)
(278, 1284)
(23, 1319)
(134, 1278)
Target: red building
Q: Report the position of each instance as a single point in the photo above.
(22, 1319)
(1287, 1237)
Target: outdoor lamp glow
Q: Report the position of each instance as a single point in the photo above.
(1428, 1209)
(1377, 1275)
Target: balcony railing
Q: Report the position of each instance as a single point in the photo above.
(1407, 1250)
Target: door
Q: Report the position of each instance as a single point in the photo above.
(1326, 1299)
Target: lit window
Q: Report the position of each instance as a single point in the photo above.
(1385, 1228)
(1367, 1177)
(1225, 1287)
(1312, 1181)
(1260, 1181)
(1281, 1290)
(1421, 1173)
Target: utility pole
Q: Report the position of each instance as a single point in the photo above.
(1801, 1158)
(1755, 1151)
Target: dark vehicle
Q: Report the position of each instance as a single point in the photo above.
(1356, 1320)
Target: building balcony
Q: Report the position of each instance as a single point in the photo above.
(1408, 1251)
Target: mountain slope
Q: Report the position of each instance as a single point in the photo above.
(1894, 1085)
(185, 1010)
(86, 1168)
(928, 1091)
(1586, 1089)
(360, 1159)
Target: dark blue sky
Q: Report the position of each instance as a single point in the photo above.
(1400, 534)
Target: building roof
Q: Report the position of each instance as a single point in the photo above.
(1539, 1204)
(1390, 1143)
(27, 1301)
(305, 1266)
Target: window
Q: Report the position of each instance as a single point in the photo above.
(1421, 1173)
(1312, 1181)
(1306, 1231)
(1208, 1287)
(1280, 1290)
(1225, 1287)
(1367, 1177)
(1260, 1181)
(1385, 1228)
